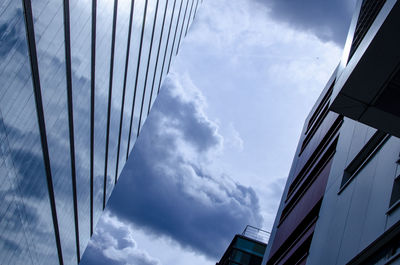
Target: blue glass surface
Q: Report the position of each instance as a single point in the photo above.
(26, 225)
(140, 90)
(175, 34)
(170, 41)
(104, 19)
(81, 22)
(136, 37)
(162, 52)
(129, 92)
(182, 26)
(151, 59)
(26, 231)
(49, 33)
(121, 41)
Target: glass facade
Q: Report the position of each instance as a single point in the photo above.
(78, 79)
(243, 251)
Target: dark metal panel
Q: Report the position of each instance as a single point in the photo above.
(308, 200)
(307, 234)
(304, 157)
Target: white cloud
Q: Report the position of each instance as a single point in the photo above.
(258, 78)
(172, 191)
(262, 75)
(114, 239)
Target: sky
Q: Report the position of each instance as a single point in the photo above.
(216, 149)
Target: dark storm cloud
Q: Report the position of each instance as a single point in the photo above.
(165, 188)
(328, 20)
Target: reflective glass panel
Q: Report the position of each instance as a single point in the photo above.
(26, 228)
(81, 23)
(49, 33)
(104, 19)
(121, 40)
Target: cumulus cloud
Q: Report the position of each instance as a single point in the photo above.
(329, 20)
(253, 50)
(167, 189)
(113, 244)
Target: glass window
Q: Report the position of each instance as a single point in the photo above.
(365, 155)
(104, 21)
(50, 44)
(81, 23)
(121, 40)
(150, 59)
(159, 39)
(129, 92)
(249, 246)
(25, 216)
(395, 191)
(141, 58)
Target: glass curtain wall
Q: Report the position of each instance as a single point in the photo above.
(78, 79)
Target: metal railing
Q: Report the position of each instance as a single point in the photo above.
(256, 233)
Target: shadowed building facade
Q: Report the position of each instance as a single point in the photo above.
(78, 79)
(340, 203)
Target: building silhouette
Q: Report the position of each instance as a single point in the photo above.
(340, 203)
(78, 79)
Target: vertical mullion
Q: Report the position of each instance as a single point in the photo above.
(41, 122)
(67, 36)
(158, 55)
(190, 14)
(183, 24)
(92, 101)
(148, 65)
(195, 9)
(109, 100)
(176, 30)
(124, 86)
(137, 75)
(166, 48)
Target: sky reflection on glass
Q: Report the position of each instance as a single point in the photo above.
(26, 224)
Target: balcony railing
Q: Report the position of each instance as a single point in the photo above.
(256, 233)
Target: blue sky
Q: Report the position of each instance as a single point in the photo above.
(214, 154)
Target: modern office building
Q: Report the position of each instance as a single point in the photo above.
(77, 81)
(341, 201)
(247, 248)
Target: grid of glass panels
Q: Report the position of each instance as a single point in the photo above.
(78, 79)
